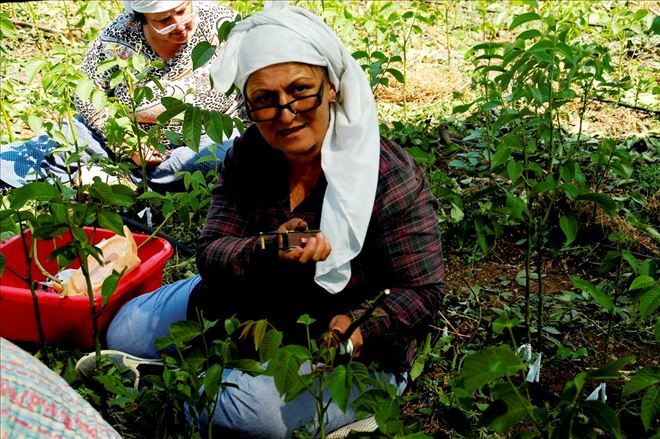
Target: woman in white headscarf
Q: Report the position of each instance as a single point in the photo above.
(313, 159)
(167, 31)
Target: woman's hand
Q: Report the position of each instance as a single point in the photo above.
(152, 156)
(339, 324)
(315, 248)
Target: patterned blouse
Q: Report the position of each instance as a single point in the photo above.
(402, 252)
(124, 37)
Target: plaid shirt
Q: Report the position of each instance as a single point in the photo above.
(402, 252)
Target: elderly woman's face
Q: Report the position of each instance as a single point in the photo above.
(175, 25)
(308, 92)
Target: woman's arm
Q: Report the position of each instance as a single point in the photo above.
(93, 117)
(228, 250)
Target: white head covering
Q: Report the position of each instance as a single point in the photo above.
(351, 147)
(151, 6)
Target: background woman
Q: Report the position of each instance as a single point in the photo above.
(165, 31)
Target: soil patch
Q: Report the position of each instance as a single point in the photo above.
(426, 84)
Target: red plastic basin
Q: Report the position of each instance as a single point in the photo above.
(67, 320)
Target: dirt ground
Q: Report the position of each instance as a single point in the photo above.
(497, 280)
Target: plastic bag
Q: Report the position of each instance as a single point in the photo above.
(117, 253)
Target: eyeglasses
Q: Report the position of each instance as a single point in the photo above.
(296, 106)
(183, 21)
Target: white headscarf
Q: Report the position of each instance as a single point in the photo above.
(151, 6)
(351, 147)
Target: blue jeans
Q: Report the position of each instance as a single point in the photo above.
(255, 408)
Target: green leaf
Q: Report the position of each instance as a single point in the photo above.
(649, 302)
(35, 123)
(645, 377)
(3, 263)
(212, 380)
(184, 331)
(122, 195)
(642, 282)
(513, 141)
(610, 371)
(650, 407)
(143, 94)
(35, 191)
(599, 296)
(172, 111)
(507, 410)
(269, 345)
(340, 387)
(115, 195)
(569, 226)
(169, 102)
(110, 220)
(501, 155)
(397, 75)
(98, 99)
(163, 343)
(420, 358)
(571, 190)
(465, 107)
(116, 78)
(603, 201)
(192, 127)
(655, 26)
(32, 68)
(305, 319)
(247, 365)
(603, 416)
(359, 374)
(503, 322)
(214, 125)
(110, 286)
(284, 369)
(201, 53)
(524, 18)
(225, 28)
(529, 34)
(388, 410)
(544, 186)
(573, 388)
(84, 88)
(487, 365)
(514, 170)
(490, 105)
(258, 333)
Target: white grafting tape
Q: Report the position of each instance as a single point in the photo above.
(526, 350)
(598, 393)
(534, 373)
(346, 348)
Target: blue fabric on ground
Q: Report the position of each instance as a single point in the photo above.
(30, 160)
(24, 161)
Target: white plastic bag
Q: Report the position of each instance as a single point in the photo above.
(117, 253)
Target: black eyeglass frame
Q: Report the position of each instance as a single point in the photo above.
(319, 99)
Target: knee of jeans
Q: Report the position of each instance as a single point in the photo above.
(250, 413)
(123, 336)
(118, 334)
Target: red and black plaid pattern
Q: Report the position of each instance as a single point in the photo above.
(402, 252)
